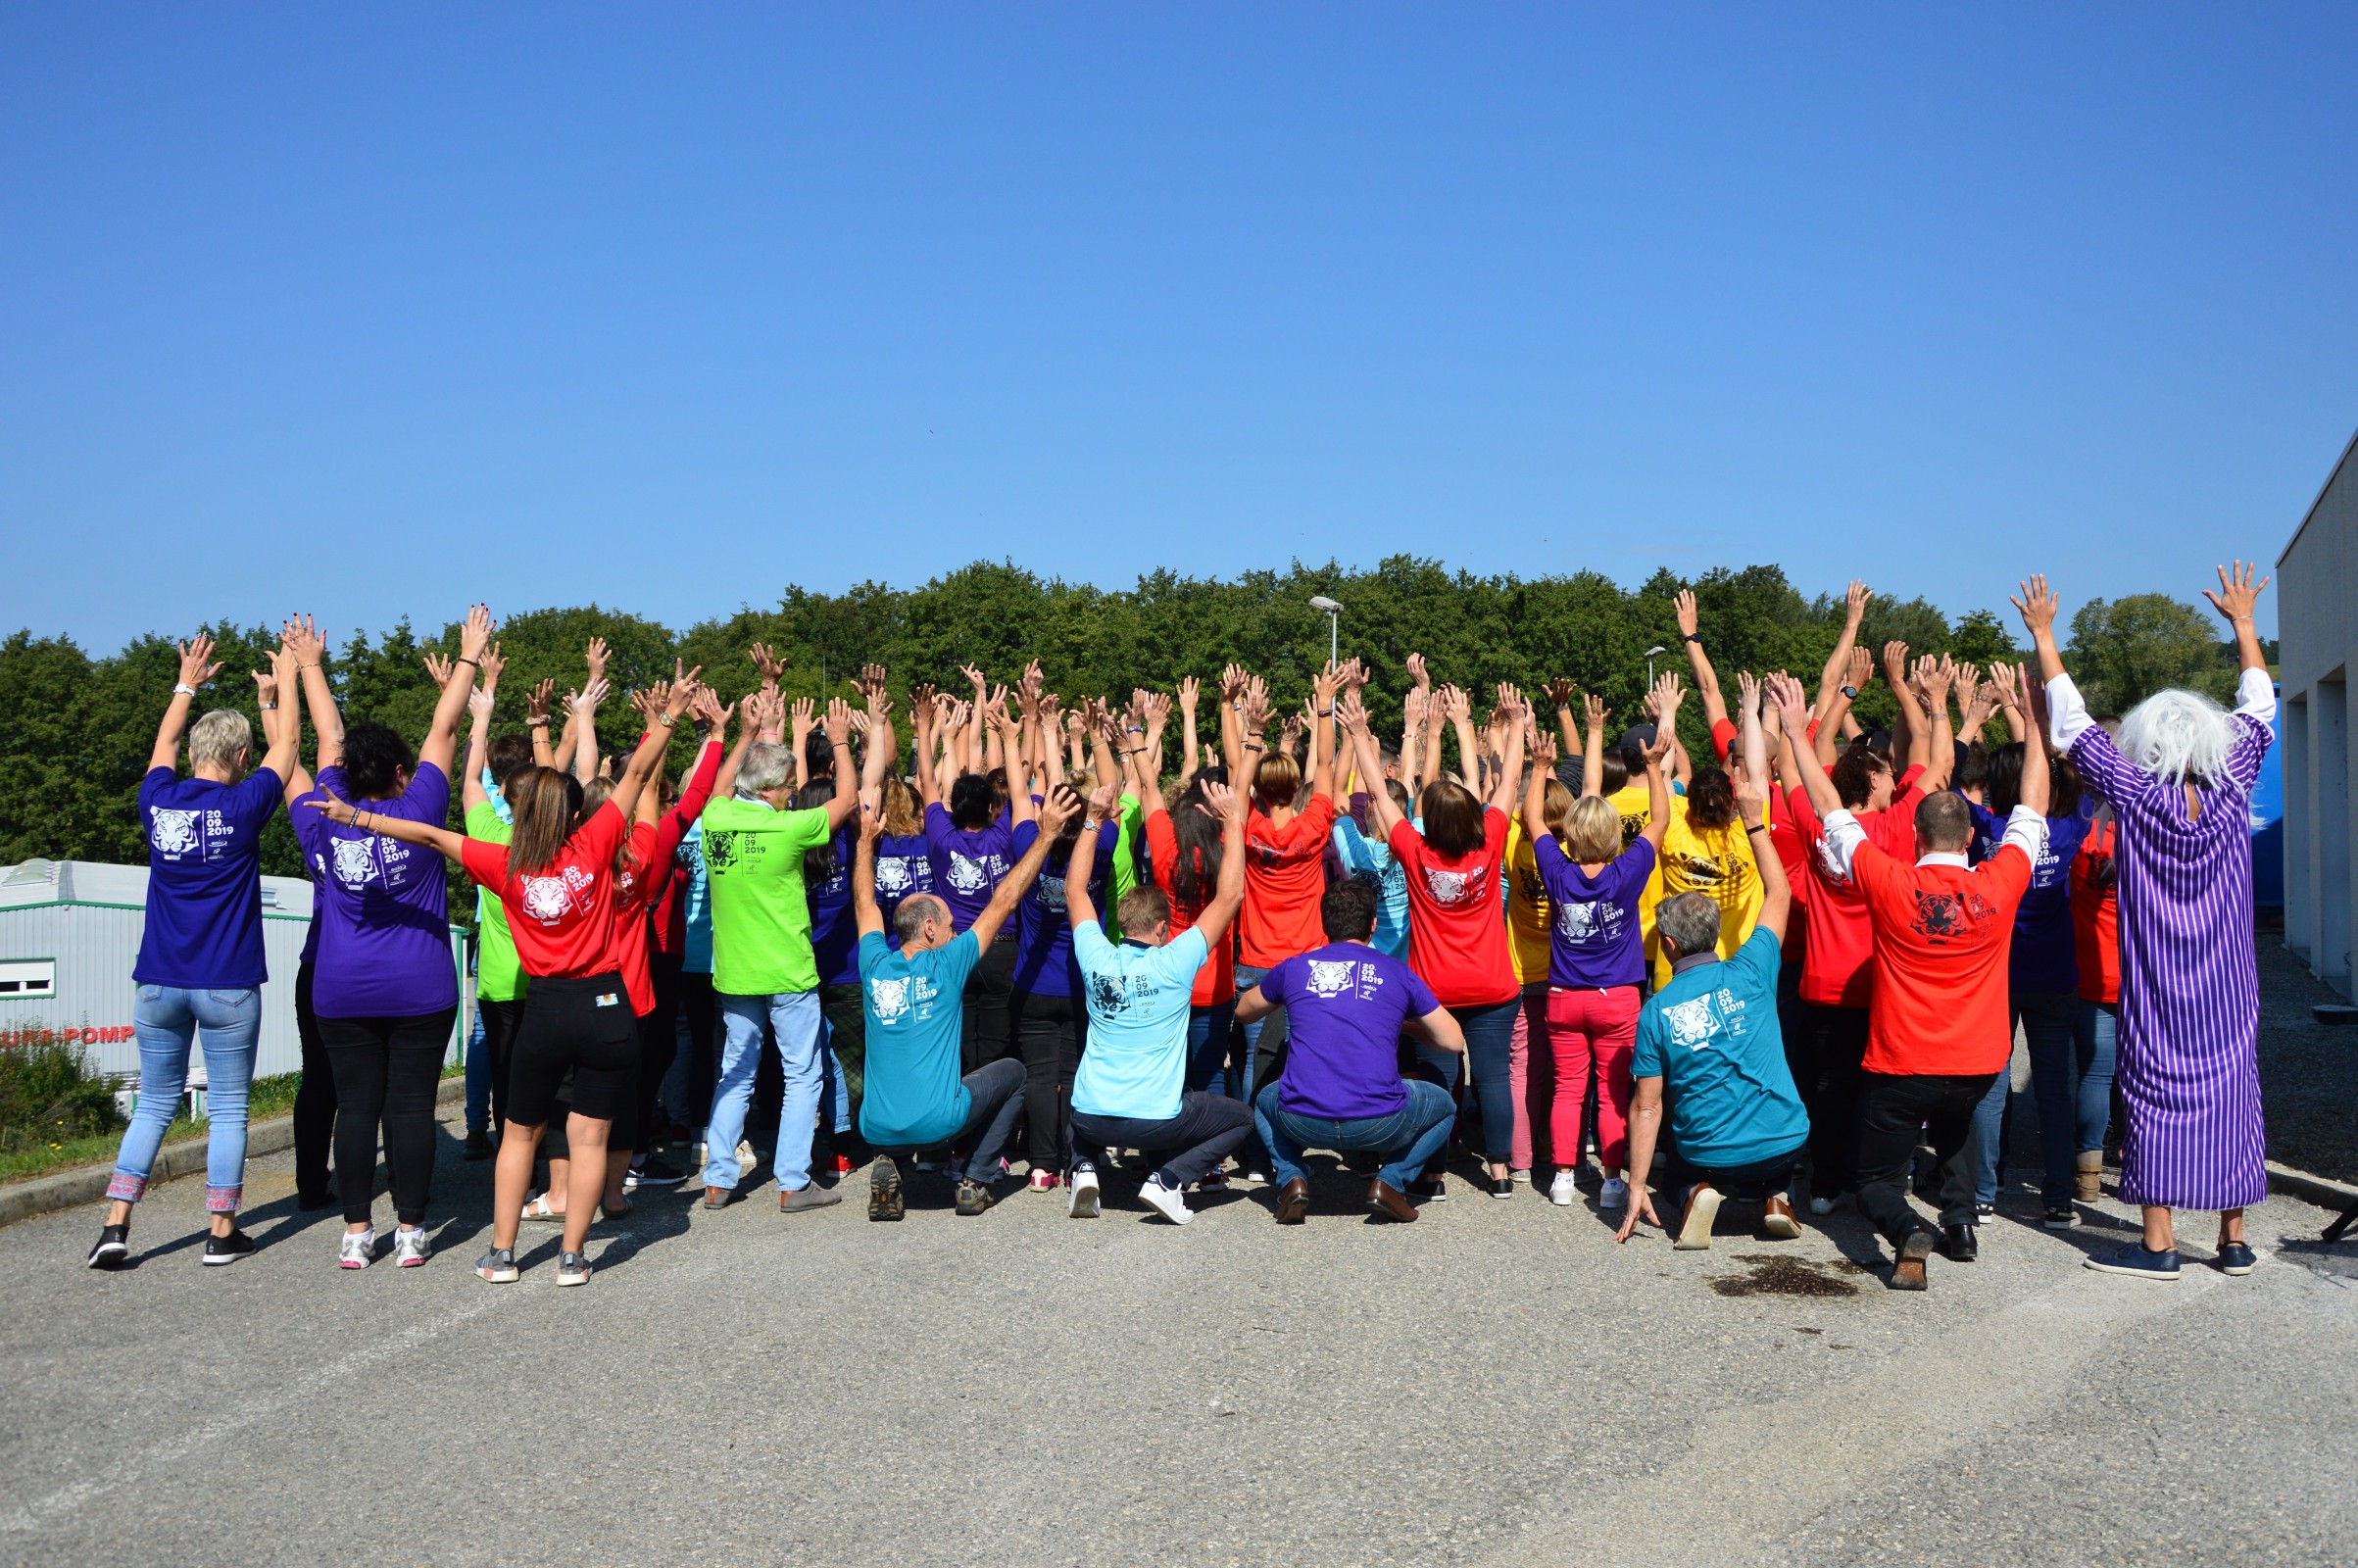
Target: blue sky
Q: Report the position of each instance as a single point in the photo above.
(374, 311)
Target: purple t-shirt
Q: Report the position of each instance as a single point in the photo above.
(904, 866)
(967, 867)
(380, 905)
(1596, 941)
(1043, 962)
(1344, 1006)
(204, 879)
(834, 933)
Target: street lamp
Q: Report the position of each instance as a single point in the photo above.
(1334, 637)
(1652, 653)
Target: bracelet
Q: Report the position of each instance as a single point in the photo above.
(1691, 637)
(536, 723)
(667, 720)
(1137, 729)
(182, 688)
(1755, 827)
(479, 663)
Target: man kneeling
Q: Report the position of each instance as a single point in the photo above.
(1347, 1005)
(1129, 1091)
(914, 999)
(1709, 1039)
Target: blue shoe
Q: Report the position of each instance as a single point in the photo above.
(2134, 1259)
(2236, 1257)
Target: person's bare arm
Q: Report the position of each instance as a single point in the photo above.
(282, 722)
(1775, 889)
(451, 846)
(1413, 734)
(1707, 679)
(1079, 909)
(1534, 791)
(197, 666)
(1829, 680)
(1382, 815)
(1228, 896)
(1657, 788)
(1517, 714)
(2237, 598)
(1440, 1030)
(1644, 1127)
(1835, 722)
(838, 730)
(1787, 693)
(1935, 676)
(1061, 806)
(864, 913)
(1591, 752)
(648, 755)
(309, 648)
(442, 731)
(581, 731)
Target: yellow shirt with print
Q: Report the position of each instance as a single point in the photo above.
(1527, 913)
(1635, 805)
(1716, 862)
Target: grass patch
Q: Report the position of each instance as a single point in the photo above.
(41, 1156)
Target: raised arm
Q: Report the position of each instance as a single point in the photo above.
(2237, 600)
(442, 732)
(1382, 815)
(1535, 792)
(581, 731)
(1707, 679)
(1228, 896)
(1666, 727)
(838, 730)
(1058, 810)
(197, 666)
(282, 722)
(865, 914)
(1838, 663)
(1935, 676)
(309, 648)
(1517, 714)
(536, 723)
(1787, 693)
(648, 755)
(756, 714)
(1776, 888)
(1591, 752)
(1413, 734)
(1834, 717)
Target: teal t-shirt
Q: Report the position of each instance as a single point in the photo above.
(915, 1096)
(1136, 1063)
(1711, 1036)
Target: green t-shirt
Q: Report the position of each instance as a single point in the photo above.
(753, 856)
(498, 975)
(1132, 819)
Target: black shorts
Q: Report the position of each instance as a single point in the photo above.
(583, 1026)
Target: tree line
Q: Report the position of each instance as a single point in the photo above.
(82, 724)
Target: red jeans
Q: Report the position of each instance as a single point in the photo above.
(1591, 1027)
(1531, 1025)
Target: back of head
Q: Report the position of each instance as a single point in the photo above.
(1196, 832)
(972, 803)
(1397, 794)
(1710, 798)
(1348, 912)
(1277, 780)
(508, 754)
(1689, 920)
(819, 861)
(903, 815)
(2174, 735)
(220, 739)
(911, 914)
(1973, 768)
(1453, 819)
(2003, 790)
(1142, 909)
(1943, 823)
(1555, 807)
(768, 764)
(819, 754)
(374, 758)
(1593, 831)
(1613, 777)
(1853, 775)
(548, 805)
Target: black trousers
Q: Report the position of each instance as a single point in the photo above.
(1833, 1041)
(387, 1072)
(1750, 1184)
(1891, 1111)
(1052, 1032)
(314, 1102)
(997, 1096)
(1191, 1145)
(703, 1045)
(986, 1033)
(659, 1045)
(500, 1019)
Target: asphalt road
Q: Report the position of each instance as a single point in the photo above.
(1497, 1384)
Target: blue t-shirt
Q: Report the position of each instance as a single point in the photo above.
(1711, 1036)
(1345, 1003)
(904, 866)
(1362, 856)
(967, 867)
(916, 1097)
(204, 879)
(834, 929)
(2042, 956)
(1136, 1064)
(1044, 962)
(696, 901)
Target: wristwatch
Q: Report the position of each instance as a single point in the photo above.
(181, 688)
(1850, 692)
(1691, 636)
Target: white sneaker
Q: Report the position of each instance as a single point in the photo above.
(1169, 1201)
(358, 1250)
(1563, 1191)
(410, 1247)
(1821, 1205)
(1613, 1195)
(1083, 1205)
(747, 1160)
(1521, 1177)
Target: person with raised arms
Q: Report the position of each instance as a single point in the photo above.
(555, 879)
(971, 848)
(1131, 1088)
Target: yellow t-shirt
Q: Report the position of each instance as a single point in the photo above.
(1527, 914)
(1714, 861)
(1635, 803)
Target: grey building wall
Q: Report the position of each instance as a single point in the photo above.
(2316, 629)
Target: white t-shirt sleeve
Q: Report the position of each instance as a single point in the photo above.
(2067, 715)
(1844, 836)
(2255, 696)
(2027, 831)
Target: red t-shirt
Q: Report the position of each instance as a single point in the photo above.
(2096, 915)
(1837, 969)
(1285, 877)
(1942, 935)
(670, 911)
(1457, 929)
(562, 916)
(1215, 978)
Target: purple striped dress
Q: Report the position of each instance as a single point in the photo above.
(2190, 1071)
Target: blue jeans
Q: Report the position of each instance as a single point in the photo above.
(1207, 1034)
(2096, 1032)
(795, 1018)
(2047, 1019)
(165, 1018)
(1489, 1033)
(1408, 1139)
(478, 1077)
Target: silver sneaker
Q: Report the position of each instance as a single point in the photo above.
(410, 1246)
(356, 1250)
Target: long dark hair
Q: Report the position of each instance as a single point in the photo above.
(818, 860)
(1710, 799)
(972, 803)
(1198, 868)
(2004, 788)
(548, 808)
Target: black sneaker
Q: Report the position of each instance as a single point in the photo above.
(478, 1144)
(655, 1173)
(1429, 1189)
(973, 1197)
(2060, 1217)
(114, 1246)
(224, 1250)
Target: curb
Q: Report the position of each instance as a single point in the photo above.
(68, 1189)
(2334, 1195)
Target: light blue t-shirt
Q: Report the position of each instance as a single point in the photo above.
(696, 898)
(1361, 855)
(915, 1007)
(1136, 1064)
(1711, 1036)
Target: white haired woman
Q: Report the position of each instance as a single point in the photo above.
(2179, 780)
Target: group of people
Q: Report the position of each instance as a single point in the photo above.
(1793, 967)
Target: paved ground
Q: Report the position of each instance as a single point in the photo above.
(1496, 1385)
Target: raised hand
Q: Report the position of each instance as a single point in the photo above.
(1791, 701)
(492, 666)
(1414, 705)
(475, 635)
(265, 687)
(1032, 680)
(648, 702)
(586, 700)
(1513, 702)
(1751, 801)
(1861, 670)
(766, 664)
(1418, 674)
(1937, 677)
(710, 712)
(680, 693)
(2238, 595)
(1232, 682)
(303, 640)
(196, 661)
(478, 704)
(1191, 690)
(974, 678)
(595, 656)
(1219, 799)
(1854, 603)
(1454, 704)
(1896, 663)
(1351, 714)
(437, 667)
(839, 721)
(1683, 604)
(1542, 749)
(1559, 692)
(1102, 800)
(2038, 604)
(537, 701)
(1598, 713)
(1748, 693)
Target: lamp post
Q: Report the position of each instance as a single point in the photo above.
(1652, 653)
(1334, 636)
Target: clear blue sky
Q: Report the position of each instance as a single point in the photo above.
(378, 310)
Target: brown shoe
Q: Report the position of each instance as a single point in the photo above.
(1391, 1201)
(1777, 1219)
(1293, 1201)
(1695, 1224)
(1907, 1273)
(2088, 1184)
(718, 1197)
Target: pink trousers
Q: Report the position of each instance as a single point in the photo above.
(1591, 1028)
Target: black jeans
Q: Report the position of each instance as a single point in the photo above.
(387, 1070)
(703, 1048)
(658, 1045)
(986, 1033)
(998, 1096)
(1764, 1178)
(1052, 1032)
(1833, 1041)
(1191, 1145)
(1891, 1109)
(500, 1019)
(314, 1102)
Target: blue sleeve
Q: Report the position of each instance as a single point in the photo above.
(257, 795)
(1184, 954)
(1645, 1061)
(1019, 842)
(1554, 867)
(1273, 984)
(429, 794)
(1421, 999)
(1758, 959)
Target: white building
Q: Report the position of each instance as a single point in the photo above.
(2317, 630)
(70, 932)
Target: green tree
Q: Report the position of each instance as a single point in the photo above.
(2125, 650)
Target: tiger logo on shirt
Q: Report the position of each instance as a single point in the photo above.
(355, 864)
(1330, 977)
(968, 876)
(1943, 916)
(892, 875)
(1450, 887)
(550, 899)
(171, 832)
(889, 999)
